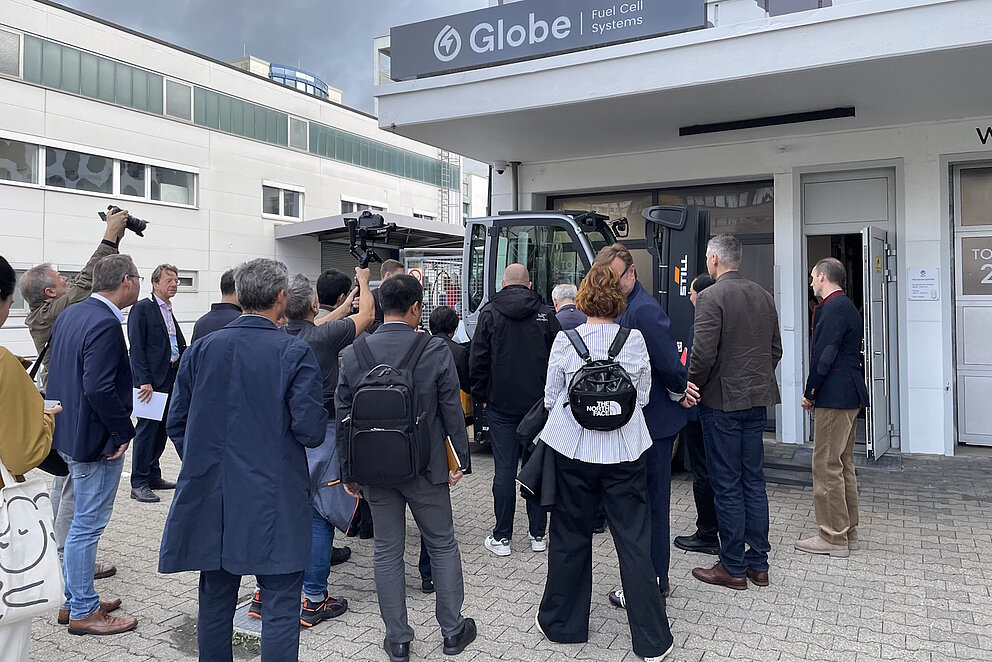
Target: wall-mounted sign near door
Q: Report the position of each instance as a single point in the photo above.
(924, 284)
(976, 265)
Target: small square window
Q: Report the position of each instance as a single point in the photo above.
(188, 281)
(291, 204)
(174, 186)
(270, 200)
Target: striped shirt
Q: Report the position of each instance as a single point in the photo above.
(562, 432)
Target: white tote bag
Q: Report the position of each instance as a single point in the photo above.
(30, 573)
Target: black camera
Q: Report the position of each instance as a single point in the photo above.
(134, 224)
(367, 227)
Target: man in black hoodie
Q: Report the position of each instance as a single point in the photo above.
(508, 365)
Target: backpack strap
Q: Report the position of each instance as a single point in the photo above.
(37, 363)
(364, 355)
(580, 346)
(618, 342)
(410, 361)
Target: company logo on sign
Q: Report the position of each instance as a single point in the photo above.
(605, 408)
(448, 44)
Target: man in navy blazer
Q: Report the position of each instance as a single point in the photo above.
(835, 393)
(248, 403)
(157, 342)
(663, 413)
(90, 374)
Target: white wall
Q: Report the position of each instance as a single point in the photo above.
(920, 153)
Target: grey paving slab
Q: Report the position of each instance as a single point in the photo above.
(917, 590)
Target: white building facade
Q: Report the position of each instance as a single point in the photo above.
(797, 126)
(214, 157)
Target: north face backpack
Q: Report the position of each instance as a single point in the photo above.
(601, 393)
(387, 435)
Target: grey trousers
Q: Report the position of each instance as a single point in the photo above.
(431, 508)
(64, 507)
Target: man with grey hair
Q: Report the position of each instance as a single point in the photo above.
(48, 293)
(91, 375)
(563, 297)
(736, 347)
(332, 507)
(157, 343)
(246, 404)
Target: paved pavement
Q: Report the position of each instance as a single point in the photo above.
(917, 590)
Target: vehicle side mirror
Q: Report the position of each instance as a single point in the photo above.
(620, 228)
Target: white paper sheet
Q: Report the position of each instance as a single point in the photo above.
(153, 409)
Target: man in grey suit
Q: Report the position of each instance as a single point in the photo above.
(435, 380)
(735, 349)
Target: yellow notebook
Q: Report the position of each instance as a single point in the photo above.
(454, 463)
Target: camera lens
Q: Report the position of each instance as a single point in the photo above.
(136, 225)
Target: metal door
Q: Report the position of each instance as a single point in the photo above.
(876, 339)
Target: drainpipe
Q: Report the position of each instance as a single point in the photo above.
(515, 184)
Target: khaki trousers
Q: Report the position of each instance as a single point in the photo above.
(835, 487)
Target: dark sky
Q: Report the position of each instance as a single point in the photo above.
(332, 38)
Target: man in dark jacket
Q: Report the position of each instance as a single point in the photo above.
(663, 413)
(220, 314)
(156, 342)
(568, 315)
(247, 403)
(835, 393)
(443, 323)
(508, 365)
(91, 375)
(435, 381)
(332, 506)
(736, 346)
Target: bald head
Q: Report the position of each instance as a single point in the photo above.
(516, 274)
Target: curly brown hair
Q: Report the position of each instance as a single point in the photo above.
(600, 294)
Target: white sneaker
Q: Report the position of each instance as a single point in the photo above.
(538, 544)
(498, 547)
(659, 658)
(537, 622)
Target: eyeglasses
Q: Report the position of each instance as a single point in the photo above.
(140, 278)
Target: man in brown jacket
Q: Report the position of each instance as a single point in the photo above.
(48, 293)
(734, 353)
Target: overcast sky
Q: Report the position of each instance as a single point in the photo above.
(332, 38)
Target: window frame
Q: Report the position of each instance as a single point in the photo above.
(283, 188)
(375, 207)
(194, 276)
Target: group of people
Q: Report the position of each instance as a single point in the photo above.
(261, 406)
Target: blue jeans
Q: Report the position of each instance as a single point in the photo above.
(659, 478)
(735, 456)
(321, 547)
(507, 457)
(95, 487)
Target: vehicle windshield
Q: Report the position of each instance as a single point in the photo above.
(600, 237)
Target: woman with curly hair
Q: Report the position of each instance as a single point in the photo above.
(594, 467)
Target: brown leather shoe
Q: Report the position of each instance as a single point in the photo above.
(719, 576)
(105, 606)
(101, 623)
(757, 577)
(104, 570)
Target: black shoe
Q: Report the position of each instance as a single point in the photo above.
(162, 484)
(426, 586)
(456, 643)
(396, 652)
(255, 608)
(340, 554)
(694, 543)
(599, 529)
(312, 613)
(144, 494)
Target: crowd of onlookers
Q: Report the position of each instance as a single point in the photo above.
(302, 409)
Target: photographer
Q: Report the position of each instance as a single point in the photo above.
(48, 294)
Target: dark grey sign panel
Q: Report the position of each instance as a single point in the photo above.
(533, 29)
(976, 265)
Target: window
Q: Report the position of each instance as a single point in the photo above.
(298, 134)
(282, 202)
(349, 207)
(79, 171)
(10, 53)
(178, 99)
(18, 161)
(173, 186)
(976, 195)
(466, 209)
(77, 72)
(476, 267)
(188, 281)
(19, 305)
(241, 118)
(547, 251)
(133, 179)
(426, 217)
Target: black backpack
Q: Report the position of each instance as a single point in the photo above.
(601, 393)
(388, 440)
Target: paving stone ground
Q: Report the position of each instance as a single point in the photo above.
(918, 590)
